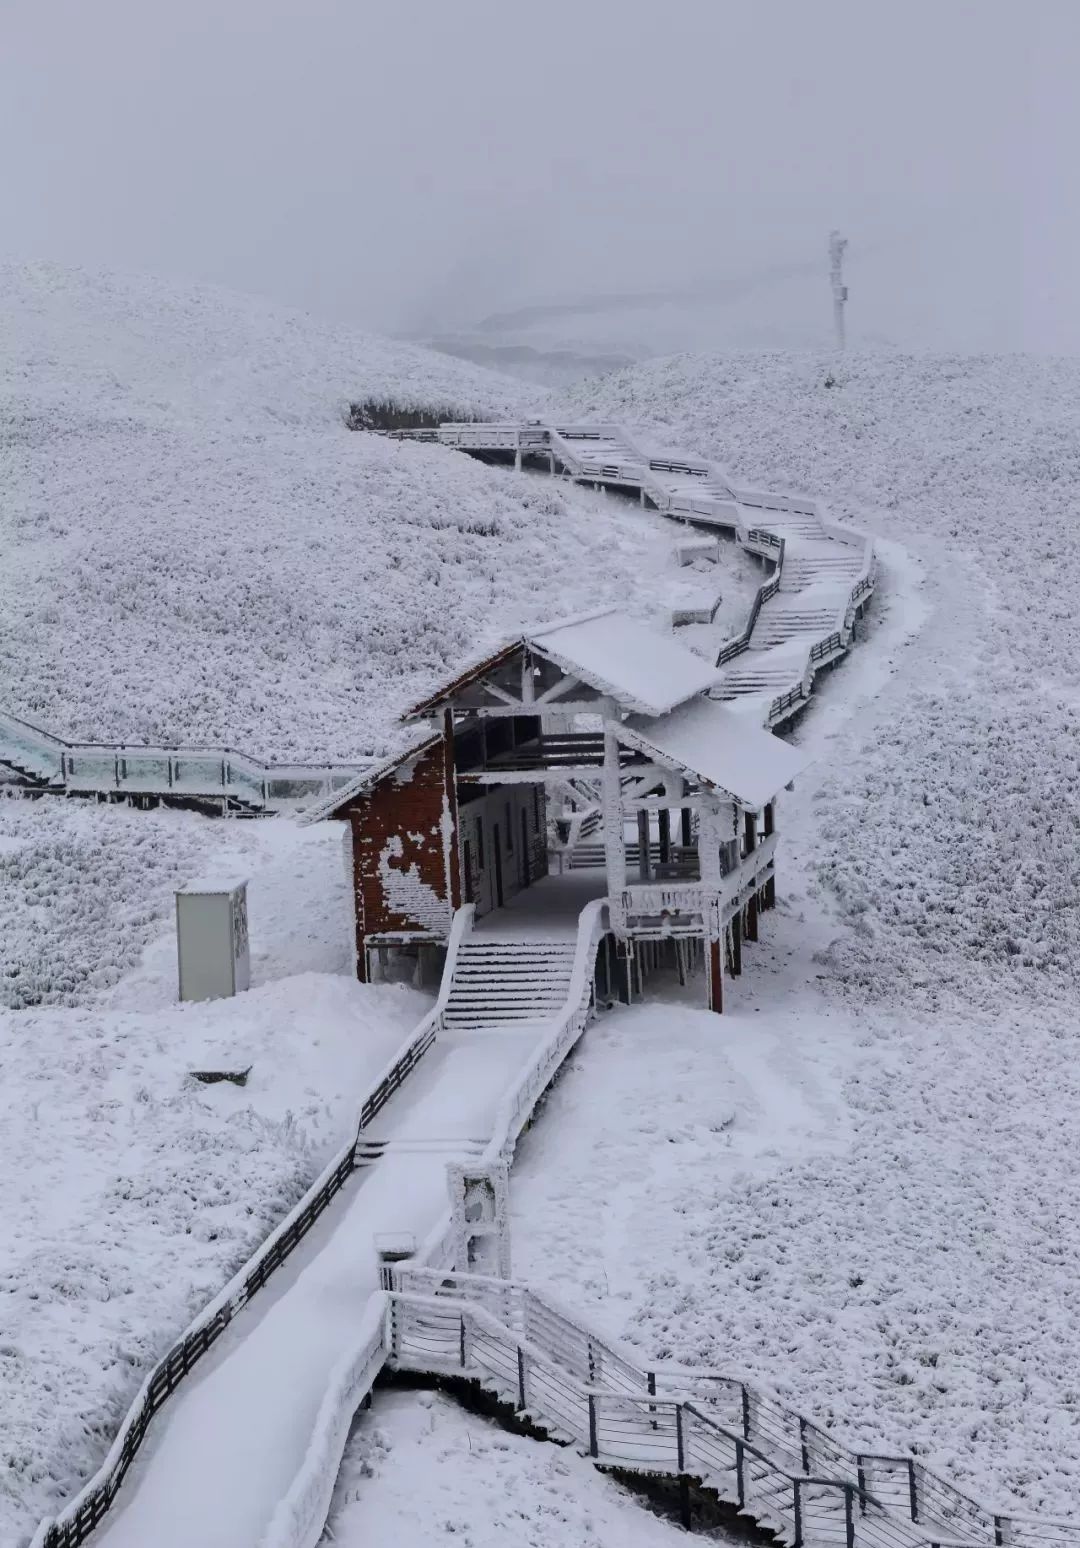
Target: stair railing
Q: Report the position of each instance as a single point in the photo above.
(903, 1491)
(83, 1513)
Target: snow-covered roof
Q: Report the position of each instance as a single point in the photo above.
(713, 742)
(647, 672)
(367, 778)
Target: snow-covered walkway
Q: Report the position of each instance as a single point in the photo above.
(804, 615)
(233, 1438)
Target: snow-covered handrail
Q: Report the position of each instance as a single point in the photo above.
(300, 1517)
(82, 1514)
(222, 773)
(405, 1060)
(929, 1507)
(765, 592)
(297, 1522)
(518, 1105)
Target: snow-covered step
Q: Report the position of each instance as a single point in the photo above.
(500, 983)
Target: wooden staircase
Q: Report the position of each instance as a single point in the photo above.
(499, 982)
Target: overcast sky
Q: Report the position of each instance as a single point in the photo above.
(413, 165)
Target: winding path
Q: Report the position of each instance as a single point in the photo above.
(218, 1467)
(804, 615)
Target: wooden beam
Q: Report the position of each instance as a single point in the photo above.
(715, 975)
(563, 686)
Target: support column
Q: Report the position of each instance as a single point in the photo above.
(614, 840)
(769, 897)
(664, 822)
(709, 862)
(644, 854)
(687, 830)
(715, 968)
(736, 945)
(517, 460)
(750, 828)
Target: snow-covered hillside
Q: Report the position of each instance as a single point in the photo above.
(420, 1468)
(198, 550)
(134, 1191)
(917, 1286)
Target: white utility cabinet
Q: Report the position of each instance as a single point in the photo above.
(212, 939)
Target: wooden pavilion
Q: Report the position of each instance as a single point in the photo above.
(593, 726)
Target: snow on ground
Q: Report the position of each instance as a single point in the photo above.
(198, 550)
(915, 1287)
(420, 1470)
(132, 1191)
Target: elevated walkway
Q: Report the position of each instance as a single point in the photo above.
(823, 574)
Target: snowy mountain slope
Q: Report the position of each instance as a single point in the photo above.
(916, 1288)
(974, 464)
(197, 550)
(111, 341)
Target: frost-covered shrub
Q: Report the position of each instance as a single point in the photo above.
(388, 414)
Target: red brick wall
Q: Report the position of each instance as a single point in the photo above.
(400, 834)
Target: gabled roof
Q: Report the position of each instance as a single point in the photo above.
(711, 742)
(367, 779)
(643, 670)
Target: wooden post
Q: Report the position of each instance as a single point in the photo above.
(716, 977)
(709, 865)
(687, 835)
(736, 946)
(614, 838)
(664, 821)
(750, 828)
(451, 844)
(769, 898)
(643, 839)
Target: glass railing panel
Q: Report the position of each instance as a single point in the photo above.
(91, 768)
(295, 787)
(197, 774)
(246, 781)
(30, 751)
(144, 770)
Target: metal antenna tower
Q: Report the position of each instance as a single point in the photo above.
(837, 243)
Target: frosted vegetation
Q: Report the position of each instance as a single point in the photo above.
(867, 1205)
(133, 1191)
(261, 576)
(419, 1469)
(918, 1288)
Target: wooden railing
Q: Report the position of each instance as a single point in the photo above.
(765, 592)
(753, 1450)
(79, 1518)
